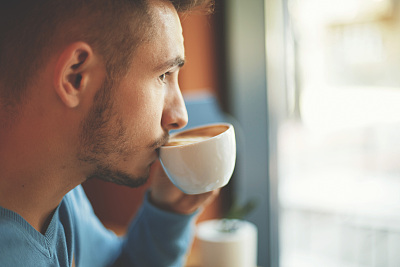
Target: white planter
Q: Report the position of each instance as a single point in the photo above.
(221, 247)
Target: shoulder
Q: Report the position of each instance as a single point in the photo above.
(76, 202)
(9, 228)
(76, 194)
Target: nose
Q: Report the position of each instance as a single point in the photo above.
(174, 114)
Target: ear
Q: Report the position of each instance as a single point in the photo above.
(73, 68)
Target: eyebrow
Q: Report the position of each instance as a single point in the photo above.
(175, 62)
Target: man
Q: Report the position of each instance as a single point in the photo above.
(89, 89)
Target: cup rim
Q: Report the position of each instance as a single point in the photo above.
(229, 125)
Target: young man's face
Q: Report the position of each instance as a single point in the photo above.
(120, 136)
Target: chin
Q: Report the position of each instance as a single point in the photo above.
(120, 177)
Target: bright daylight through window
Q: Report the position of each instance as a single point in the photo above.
(339, 144)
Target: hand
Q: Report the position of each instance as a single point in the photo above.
(165, 195)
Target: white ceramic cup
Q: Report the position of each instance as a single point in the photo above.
(203, 161)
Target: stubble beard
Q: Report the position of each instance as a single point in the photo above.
(104, 144)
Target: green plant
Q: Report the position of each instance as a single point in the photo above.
(240, 211)
(230, 222)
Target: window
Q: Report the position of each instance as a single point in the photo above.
(338, 140)
(316, 89)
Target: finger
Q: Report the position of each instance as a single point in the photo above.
(190, 203)
(158, 176)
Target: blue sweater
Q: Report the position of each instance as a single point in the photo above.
(155, 238)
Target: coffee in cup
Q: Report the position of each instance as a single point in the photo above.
(196, 135)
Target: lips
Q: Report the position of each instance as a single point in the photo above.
(161, 141)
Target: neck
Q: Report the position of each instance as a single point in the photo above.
(34, 196)
(29, 198)
(33, 177)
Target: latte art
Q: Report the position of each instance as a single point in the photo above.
(185, 140)
(196, 135)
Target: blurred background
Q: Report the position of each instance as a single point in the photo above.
(313, 89)
(338, 140)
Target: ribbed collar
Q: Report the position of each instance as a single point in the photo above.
(44, 243)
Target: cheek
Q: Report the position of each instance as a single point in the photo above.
(144, 114)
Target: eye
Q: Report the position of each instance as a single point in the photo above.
(162, 77)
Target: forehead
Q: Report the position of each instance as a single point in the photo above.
(164, 39)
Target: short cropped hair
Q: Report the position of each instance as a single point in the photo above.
(31, 31)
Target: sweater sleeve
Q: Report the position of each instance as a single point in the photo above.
(157, 238)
